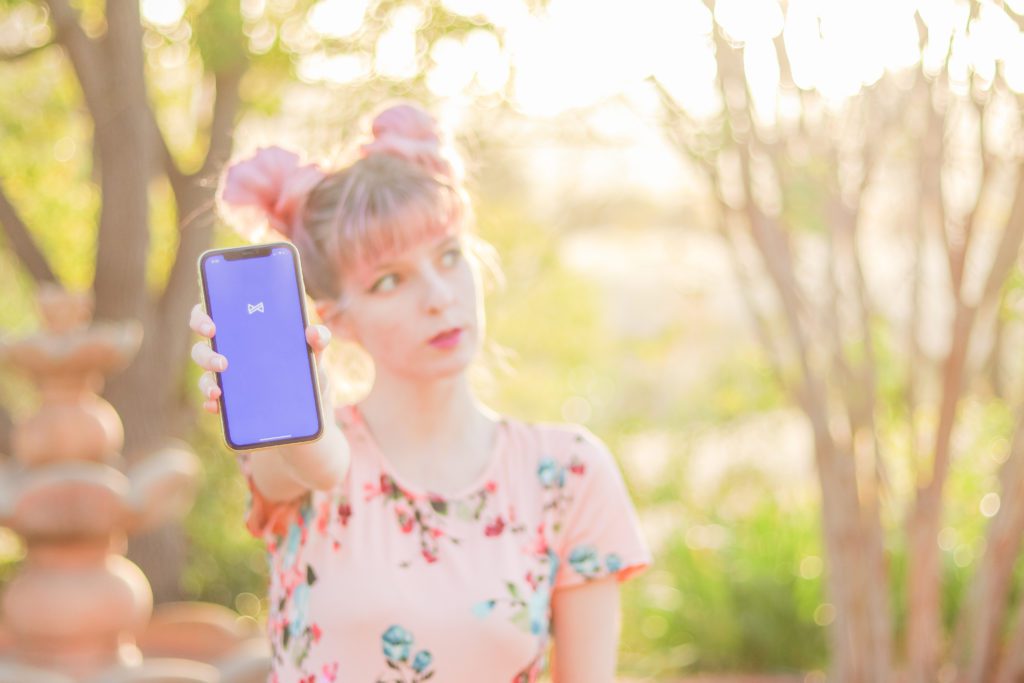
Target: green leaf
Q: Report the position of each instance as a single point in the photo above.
(219, 36)
(521, 619)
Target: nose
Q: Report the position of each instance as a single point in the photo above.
(440, 292)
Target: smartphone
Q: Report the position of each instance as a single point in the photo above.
(269, 393)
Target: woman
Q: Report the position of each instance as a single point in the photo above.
(424, 536)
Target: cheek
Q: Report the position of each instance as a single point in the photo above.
(470, 288)
(477, 302)
(392, 332)
(387, 335)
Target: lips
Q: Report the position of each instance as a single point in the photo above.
(448, 337)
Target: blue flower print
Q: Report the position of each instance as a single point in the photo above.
(484, 608)
(584, 560)
(421, 661)
(550, 473)
(396, 644)
(537, 605)
(291, 544)
(300, 609)
(529, 603)
(612, 563)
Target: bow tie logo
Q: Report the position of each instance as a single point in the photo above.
(255, 307)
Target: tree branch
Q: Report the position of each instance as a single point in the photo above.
(849, 387)
(673, 130)
(86, 57)
(177, 179)
(222, 122)
(25, 248)
(785, 69)
(968, 230)
(194, 195)
(1009, 246)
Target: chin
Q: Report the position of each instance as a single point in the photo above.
(452, 364)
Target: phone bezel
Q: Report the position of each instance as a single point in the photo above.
(252, 251)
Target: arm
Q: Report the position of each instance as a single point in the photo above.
(586, 632)
(287, 472)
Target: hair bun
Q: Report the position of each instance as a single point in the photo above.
(273, 182)
(412, 134)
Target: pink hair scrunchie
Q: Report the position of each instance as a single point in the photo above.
(272, 181)
(411, 134)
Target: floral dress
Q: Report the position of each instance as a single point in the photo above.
(377, 581)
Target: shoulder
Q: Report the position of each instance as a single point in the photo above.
(567, 444)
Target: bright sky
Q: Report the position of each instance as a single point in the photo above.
(578, 52)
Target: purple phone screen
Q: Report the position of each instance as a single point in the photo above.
(268, 390)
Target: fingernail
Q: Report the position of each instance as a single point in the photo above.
(222, 363)
(207, 329)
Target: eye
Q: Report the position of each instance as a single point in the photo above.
(452, 256)
(386, 283)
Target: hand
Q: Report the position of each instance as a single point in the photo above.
(318, 337)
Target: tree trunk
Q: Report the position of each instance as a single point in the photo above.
(123, 136)
(981, 632)
(147, 394)
(924, 627)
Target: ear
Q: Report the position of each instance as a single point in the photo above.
(325, 310)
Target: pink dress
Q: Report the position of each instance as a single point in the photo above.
(377, 581)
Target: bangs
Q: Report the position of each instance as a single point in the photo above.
(375, 224)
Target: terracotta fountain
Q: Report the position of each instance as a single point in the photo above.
(77, 611)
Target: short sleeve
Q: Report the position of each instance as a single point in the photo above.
(269, 520)
(600, 532)
(263, 518)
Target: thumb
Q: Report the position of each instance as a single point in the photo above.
(319, 336)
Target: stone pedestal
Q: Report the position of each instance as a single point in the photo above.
(77, 610)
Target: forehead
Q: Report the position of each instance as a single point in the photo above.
(405, 254)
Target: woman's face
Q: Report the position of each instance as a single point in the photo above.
(417, 314)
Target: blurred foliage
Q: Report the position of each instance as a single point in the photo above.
(728, 595)
(738, 581)
(219, 37)
(46, 169)
(734, 587)
(224, 559)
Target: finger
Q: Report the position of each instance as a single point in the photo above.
(207, 358)
(208, 386)
(200, 322)
(212, 407)
(318, 336)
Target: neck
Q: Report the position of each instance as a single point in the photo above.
(433, 414)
